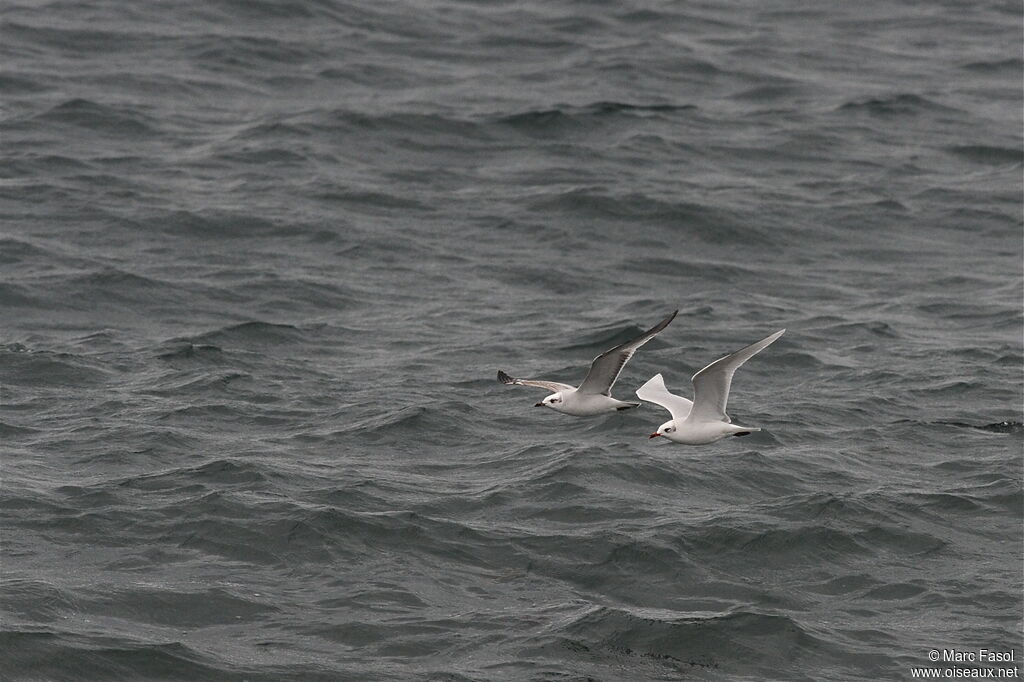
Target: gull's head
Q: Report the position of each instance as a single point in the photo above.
(666, 428)
(553, 400)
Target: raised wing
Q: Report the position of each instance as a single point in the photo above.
(606, 366)
(654, 391)
(711, 384)
(552, 386)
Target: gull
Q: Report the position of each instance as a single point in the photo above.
(704, 419)
(593, 396)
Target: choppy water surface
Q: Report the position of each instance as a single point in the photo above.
(261, 261)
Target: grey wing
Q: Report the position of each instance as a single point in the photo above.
(552, 386)
(606, 367)
(711, 384)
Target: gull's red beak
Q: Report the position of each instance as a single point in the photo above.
(653, 435)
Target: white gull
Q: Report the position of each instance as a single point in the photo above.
(593, 396)
(704, 419)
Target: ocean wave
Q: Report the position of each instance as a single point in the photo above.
(235, 10)
(79, 653)
(18, 84)
(408, 424)
(544, 118)
(896, 104)
(249, 335)
(50, 369)
(29, 253)
(435, 126)
(1012, 65)
(8, 430)
(219, 472)
(214, 224)
(688, 643)
(197, 384)
(683, 266)
(192, 352)
(18, 295)
(119, 120)
(680, 220)
(72, 41)
(990, 155)
(428, 131)
(174, 607)
(831, 529)
(31, 600)
(1010, 427)
(359, 199)
(250, 51)
(48, 164)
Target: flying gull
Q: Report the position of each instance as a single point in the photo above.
(593, 396)
(704, 419)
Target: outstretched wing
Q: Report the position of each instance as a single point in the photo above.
(711, 384)
(553, 386)
(654, 391)
(606, 367)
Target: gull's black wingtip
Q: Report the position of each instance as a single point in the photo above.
(504, 378)
(664, 323)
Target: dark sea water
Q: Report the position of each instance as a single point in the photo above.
(260, 261)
